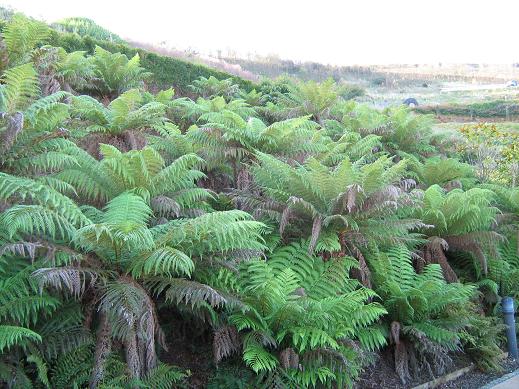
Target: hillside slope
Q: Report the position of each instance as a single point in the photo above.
(167, 71)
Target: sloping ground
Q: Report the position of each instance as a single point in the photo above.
(216, 63)
(167, 71)
(87, 27)
(84, 27)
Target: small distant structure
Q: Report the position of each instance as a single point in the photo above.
(411, 102)
(512, 83)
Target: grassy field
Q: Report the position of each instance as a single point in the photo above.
(454, 126)
(392, 87)
(447, 90)
(438, 93)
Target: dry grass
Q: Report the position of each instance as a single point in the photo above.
(476, 73)
(215, 63)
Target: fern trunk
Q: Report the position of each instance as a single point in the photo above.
(102, 351)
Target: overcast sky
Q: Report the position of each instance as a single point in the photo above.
(327, 31)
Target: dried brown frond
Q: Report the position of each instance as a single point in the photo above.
(474, 243)
(395, 332)
(353, 190)
(316, 231)
(226, 342)
(363, 273)
(434, 252)
(165, 206)
(13, 128)
(384, 129)
(23, 249)
(327, 353)
(285, 219)
(289, 358)
(148, 326)
(455, 184)
(134, 140)
(407, 184)
(72, 279)
(243, 179)
(90, 143)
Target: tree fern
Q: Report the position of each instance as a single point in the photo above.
(344, 200)
(445, 172)
(21, 35)
(20, 87)
(75, 71)
(463, 220)
(310, 98)
(131, 221)
(170, 190)
(126, 112)
(123, 242)
(212, 87)
(401, 131)
(422, 308)
(115, 73)
(48, 206)
(298, 301)
(33, 138)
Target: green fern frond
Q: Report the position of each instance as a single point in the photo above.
(257, 358)
(164, 377)
(21, 87)
(13, 335)
(21, 35)
(115, 73)
(165, 261)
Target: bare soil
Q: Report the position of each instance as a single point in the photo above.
(476, 378)
(382, 375)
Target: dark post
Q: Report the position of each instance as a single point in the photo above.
(508, 313)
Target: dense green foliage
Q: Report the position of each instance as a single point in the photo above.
(426, 316)
(167, 72)
(307, 313)
(87, 27)
(295, 230)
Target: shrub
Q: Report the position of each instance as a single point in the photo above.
(86, 27)
(494, 152)
(302, 316)
(426, 316)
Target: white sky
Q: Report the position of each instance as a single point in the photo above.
(327, 31)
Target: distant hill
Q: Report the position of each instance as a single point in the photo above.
(86, 27)
(273, 67)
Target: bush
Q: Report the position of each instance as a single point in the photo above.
(497, 108)
(303, 318)
(87, 27)
(426, 316)
(349, 92)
